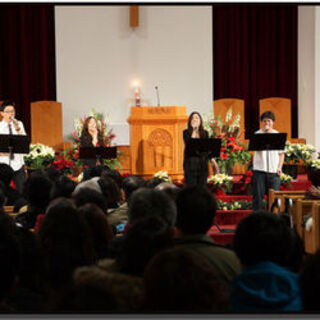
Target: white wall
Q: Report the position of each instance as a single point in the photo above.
(309, 74)
(98, 56)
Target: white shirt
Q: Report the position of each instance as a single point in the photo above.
(260, 158)
(18, 161)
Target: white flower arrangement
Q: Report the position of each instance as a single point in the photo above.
(315, 164)
(221, 181)
(296, 151)
(39, 157)
(163, 175)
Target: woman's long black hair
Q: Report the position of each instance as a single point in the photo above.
(202, 132)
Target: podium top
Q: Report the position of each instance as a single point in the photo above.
(164, 112)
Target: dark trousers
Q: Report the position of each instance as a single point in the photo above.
(19, 178)
(261, 183)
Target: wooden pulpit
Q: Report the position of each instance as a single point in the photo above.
(156, 140)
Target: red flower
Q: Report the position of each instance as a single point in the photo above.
(223, 156)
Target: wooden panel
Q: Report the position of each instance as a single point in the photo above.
(312, 237)
(281, 107)
(46, 123)
(273, 194)
(134, 16)
(156, 140)
(125, 159)
(221, 107)
(303, 207)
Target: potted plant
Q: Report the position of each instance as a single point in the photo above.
(296, 153)
(39, 157)
(163, 175)
(232, 150)
(220, 182)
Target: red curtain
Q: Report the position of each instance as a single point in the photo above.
(255, 56)
(27, 56)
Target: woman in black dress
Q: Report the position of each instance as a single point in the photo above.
(91, 136)
(196, 167)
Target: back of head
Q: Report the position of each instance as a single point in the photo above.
(65, 241)
(264, 236)
(169, 188)
(63, 187)
(87, 195)
(100, 230)
(168, 291)
(52, 174)
(196, 210)
(6, 173)
(146, 202)
(130, 184)
(37, 190)
(113, 174)
(152, 183)
(144, 239)
(96, 290)
(110, 190)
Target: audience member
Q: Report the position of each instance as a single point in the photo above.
(196, 211)
(6, 176)
(37, 191)
(98, 291)
(88, 195)
(267, 249)
(110, 191)
(65, 243)
(120, 215)
(169, 188)
(144, 239)
(63, 187)
(100, 230)
(182, 280)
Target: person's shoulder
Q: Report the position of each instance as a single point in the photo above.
(259, 131)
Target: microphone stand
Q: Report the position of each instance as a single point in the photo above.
(158, 97)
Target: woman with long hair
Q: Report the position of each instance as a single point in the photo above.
(196, 167)
(91, 136)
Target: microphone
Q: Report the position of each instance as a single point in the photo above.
(158, 97)
(14, 119)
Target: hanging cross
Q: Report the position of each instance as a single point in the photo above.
(134, 16)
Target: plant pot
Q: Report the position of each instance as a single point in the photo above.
(291, 170)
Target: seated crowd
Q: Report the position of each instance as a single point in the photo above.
(114, 244)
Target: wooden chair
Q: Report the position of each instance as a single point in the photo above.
(274, 194)
(46, 123)
(303, 207)
(312, 237)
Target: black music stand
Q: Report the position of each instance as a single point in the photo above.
(11, 144)
(208, 147)
(98, 153)
(267, 142)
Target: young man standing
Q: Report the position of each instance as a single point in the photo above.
(9, 125)
(266, 173)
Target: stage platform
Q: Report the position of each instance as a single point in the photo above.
(229, 219)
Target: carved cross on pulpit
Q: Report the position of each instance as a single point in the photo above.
(134, 16)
